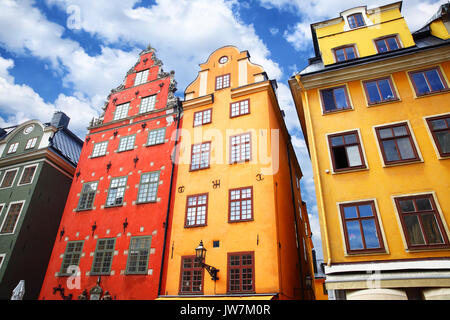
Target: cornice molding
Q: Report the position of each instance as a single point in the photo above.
(198, 102)
(249, 89)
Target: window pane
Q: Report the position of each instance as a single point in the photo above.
(337, 141)
(406, 206)
(354, 157)
(365, 210)
(350, 212)
(381, 45)
(372, 90)
(350, 51)
(340, 56)
(390, 150)
(385, 88)
(341, 99)
(400, 131)
(405, 147)
(370, 233)
(328, 100)
(340, 157)
(431, 229)
(413, 230)
(444, 140)
(350, 139)
(392, 43)
(423, 204)
(438, 124)
(385, 133)
(354, 235)
(434, 80)
(420, 82)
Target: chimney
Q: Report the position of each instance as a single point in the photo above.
(60, 120)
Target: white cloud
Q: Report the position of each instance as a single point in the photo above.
(274, 31)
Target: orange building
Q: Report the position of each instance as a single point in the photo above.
(237, 192)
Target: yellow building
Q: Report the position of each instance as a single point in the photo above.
(374, 107)
(237, 191)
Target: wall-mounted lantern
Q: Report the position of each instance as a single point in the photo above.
(200, 255)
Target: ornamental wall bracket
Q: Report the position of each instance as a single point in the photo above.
(259, 177)
(216, 183)
(180, 189)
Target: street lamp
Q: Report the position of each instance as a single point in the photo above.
(200, 255)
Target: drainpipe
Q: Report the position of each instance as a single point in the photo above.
(179, 109)
(316, 166)
(295, 221)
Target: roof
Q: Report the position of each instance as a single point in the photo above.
(67, 145)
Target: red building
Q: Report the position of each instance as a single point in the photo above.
(113, 227)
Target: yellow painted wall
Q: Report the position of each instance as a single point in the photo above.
(273, 215)
(378, 182)
(384, 23)
(439, 30)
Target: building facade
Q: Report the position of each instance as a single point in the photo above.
(112, 234)
(374, 108)
(37, 165)
(237, 191)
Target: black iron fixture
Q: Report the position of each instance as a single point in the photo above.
(200, 254)
(78, 174)
(135, 160)
(115, 133)
(180, 189)
(114, 100)
(125, 225)
(216, 184)
(259, 177)
(61, 292)
(161, 84)
(143, 125)
(94, 226)
(145, 60)
(87, 139)
(61, 233)
(108, 166)
(136, 93)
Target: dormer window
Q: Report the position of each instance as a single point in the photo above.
(345, 53)
(386, 44)
(356, 20)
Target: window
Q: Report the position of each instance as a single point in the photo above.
(428, 81)
(240, 204)
(8, 178)
(121, 111)
(138, 255)
(116, 192)
(126, 143)
(396, 144)
(223, 81)
(421, 222)
(156, 136)
(148, 187)
(387, 44)
(191, 276)
(99, 149)
(440, 130)
(346, 152)
(196, 210)
(335, 99)
(13, 147)
(27, 174)
(361, 227)
(141, 77)
(31, 143)
(87, 196)
(202, 117)
(356, 20)
(241, 272)
(239, 108)
(345, 53)
(103, 256)
(147, 104)
(72, 256)
(11, 218)
(379, 90)
(200, 156)
(240, 146)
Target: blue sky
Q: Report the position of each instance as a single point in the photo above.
(68, 54)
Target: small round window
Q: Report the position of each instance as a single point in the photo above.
(28, 129)
(223, 59)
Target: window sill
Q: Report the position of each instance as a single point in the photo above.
(237, 221)
(136, 273)
(366, 253)
(81, 210)
(324, 113)
(199, 169)
(349, 170)
(374, 104)
(195, 226)
(155, 144)
(429, 248)
(433, 93)
(146, 202)
(120, 151)
(100, 273)
(395, 164)
(113, 205)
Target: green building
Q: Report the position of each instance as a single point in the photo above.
(37, 165)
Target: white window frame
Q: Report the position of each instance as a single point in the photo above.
(124, 144)
(18, 216)
(141, 77)
(14, 179)
(31, 143)
(99, 149)
(158, 137)
(23, 171)
(119, 183)
(120, 113)
(148, 104)
(13, 147)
